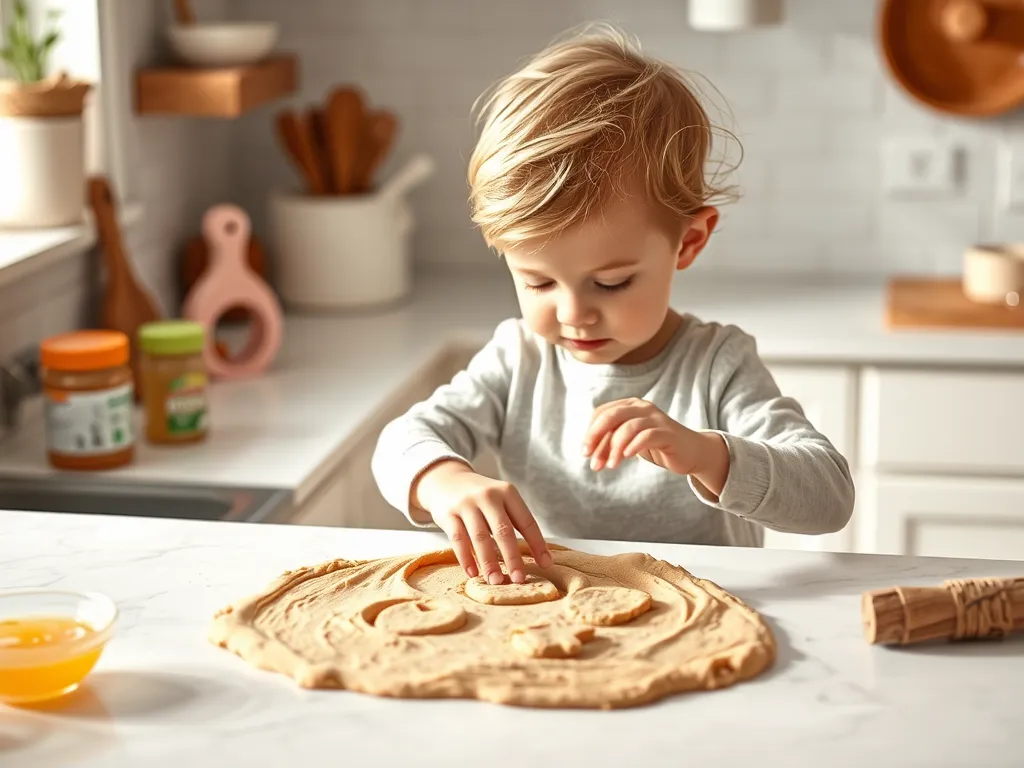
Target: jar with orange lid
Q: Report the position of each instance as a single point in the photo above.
(173, 380)
(89, 396)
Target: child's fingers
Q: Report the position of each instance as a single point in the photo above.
(645, 440)
(461, 544)
(621, 438)
(609, 420)
(600, 455)
(527, 525)
(483, 546)
(505, 537)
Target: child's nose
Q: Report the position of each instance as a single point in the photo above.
(574, 312)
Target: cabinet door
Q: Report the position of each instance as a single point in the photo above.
(828, 397)
(947, 517)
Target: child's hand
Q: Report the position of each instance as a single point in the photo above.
(481, 516)
(632, 427)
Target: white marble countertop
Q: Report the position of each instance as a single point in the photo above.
(288, 429)
(162, 695)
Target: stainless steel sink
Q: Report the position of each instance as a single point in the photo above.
(96, 497)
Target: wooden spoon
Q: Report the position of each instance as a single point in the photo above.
(344, 113)
(317, 122)
(380, 130)
(183, 10)
(295, 136)
(126, 304)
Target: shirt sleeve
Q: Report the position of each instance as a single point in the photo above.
(783, 473)
(457, 421)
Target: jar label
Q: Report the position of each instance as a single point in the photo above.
(185, 405)
(89, 423)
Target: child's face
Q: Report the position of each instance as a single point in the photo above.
(601, 289)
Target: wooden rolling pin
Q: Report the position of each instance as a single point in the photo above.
(960, 609)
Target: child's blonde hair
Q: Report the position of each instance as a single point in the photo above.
(581, 117)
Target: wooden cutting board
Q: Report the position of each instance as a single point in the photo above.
(940, 303)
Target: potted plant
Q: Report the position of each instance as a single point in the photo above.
(42, 142)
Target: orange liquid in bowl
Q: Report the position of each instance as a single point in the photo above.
(58, 654)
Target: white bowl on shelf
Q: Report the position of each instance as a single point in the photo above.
(230, 44)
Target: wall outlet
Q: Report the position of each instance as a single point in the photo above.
(919, 166)
(1010, 175)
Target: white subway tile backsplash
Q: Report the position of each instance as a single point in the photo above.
(832, 93)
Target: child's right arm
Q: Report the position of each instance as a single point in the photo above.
(423, 464)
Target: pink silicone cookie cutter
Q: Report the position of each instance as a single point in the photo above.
(227, 283)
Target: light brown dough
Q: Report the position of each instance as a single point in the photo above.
(551, 640)
(606, 606)
(419, 617)
(346, 624)
(535, 589)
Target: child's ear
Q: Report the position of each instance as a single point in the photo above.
(696, 235)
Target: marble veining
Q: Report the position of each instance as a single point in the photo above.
(163, 696)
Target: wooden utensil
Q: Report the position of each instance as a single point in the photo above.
(344, 122)
(183, 10)
(126, 304)
(295, 135)
(379, 130)
(940, 303)
(317, 122)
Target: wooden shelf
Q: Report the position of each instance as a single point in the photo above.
(227, 92)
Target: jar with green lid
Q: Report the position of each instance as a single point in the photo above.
(174, 380)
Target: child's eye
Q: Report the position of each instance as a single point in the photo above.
(617, 286)
(538, 286)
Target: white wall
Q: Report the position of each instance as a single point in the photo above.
(811, 101)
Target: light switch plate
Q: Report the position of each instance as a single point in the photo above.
(1010, 175)
(919, 166)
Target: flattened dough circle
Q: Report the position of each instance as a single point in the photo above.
(421, 617)
(606, 606)
(535, 589)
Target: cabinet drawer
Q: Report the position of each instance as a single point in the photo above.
(948, 421)
(940, 517)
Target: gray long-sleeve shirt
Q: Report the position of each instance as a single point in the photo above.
(531, 403)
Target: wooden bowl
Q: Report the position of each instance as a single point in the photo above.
(961, 57)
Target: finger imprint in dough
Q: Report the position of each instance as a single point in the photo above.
(606, 606)
(535, 589)
(550, 641)
(421, 617)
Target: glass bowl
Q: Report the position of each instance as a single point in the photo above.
(50, 640)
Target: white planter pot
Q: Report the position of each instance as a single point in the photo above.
(337, 252)
(42, 171)
(730, 15)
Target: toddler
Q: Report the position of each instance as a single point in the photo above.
(612, 416)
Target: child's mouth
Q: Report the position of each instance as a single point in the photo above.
(589, 344)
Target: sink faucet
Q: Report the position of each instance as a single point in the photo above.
(19, 379)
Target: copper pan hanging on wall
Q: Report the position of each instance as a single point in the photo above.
(963, 57)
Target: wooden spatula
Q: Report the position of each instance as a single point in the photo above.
(183, 10)
(379, 131)
(295, 135)
(126, 304)
(344, 113)
(317, 122)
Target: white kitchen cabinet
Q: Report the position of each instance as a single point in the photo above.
(946, 517)
(956, 421)
(828, 395)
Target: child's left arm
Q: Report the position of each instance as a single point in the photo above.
(764, 460)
